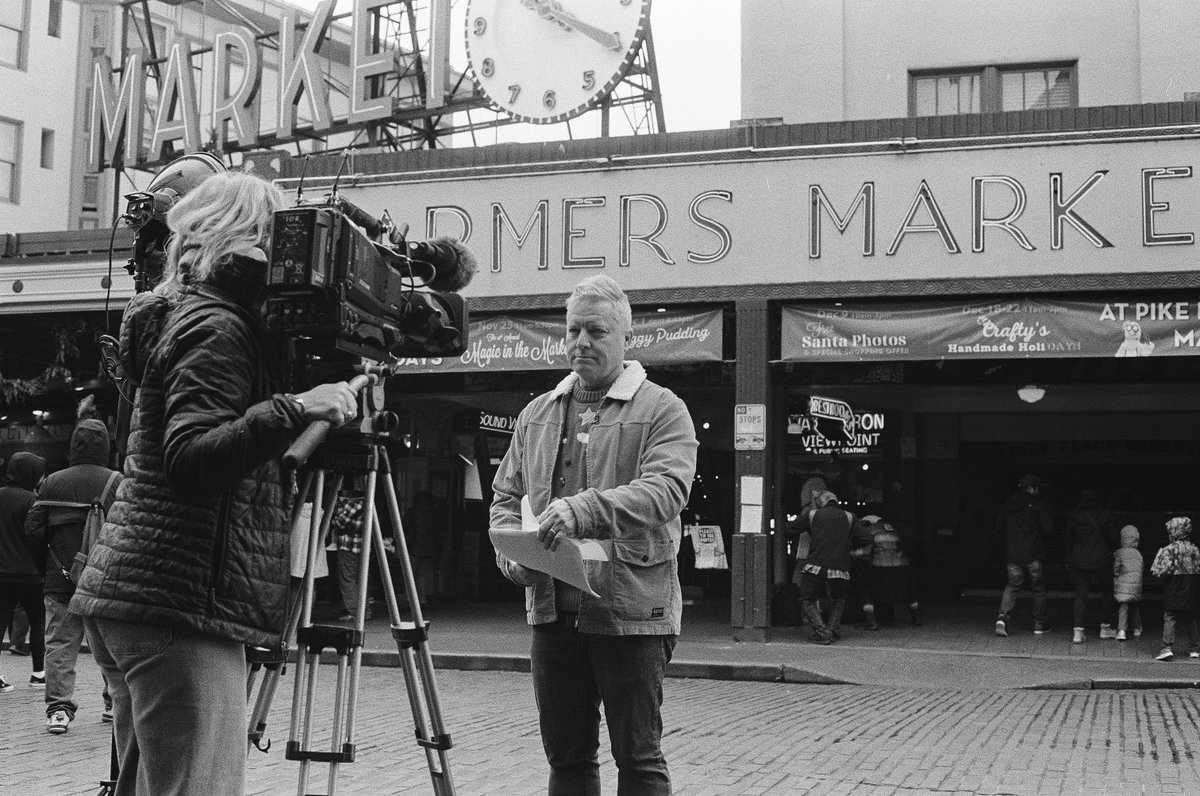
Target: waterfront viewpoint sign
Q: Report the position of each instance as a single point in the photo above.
(1012, 328)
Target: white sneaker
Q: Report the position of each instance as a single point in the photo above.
(1077, 637)
(1194, 654)
(56, 723)
(1108, 631)
(1120, 635)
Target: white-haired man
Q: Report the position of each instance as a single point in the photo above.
(607, 454)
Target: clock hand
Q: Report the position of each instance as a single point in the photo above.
(553, 11)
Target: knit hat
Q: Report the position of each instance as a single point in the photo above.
(1129, 536)
(1029, 480)
(1179, 528)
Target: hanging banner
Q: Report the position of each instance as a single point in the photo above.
(1043, 328)
(510, 342)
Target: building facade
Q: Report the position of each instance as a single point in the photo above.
(888, 277)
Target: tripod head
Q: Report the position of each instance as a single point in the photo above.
(372, 429)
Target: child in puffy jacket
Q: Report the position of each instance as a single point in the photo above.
(1127, 582)
(1178, 564)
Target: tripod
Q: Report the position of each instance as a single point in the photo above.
(342, 455)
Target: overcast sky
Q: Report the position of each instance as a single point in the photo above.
(698, 47)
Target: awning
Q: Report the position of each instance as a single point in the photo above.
(1044, 328)
(514, 342)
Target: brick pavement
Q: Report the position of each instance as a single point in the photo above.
(723, 738)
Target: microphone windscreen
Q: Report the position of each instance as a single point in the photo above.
(454, 267)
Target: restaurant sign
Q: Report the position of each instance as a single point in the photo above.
(1021, 327)
(832, 426)
(507, 342)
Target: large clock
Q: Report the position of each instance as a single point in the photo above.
(546, 61)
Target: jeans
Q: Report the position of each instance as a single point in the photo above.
(64, 634)
(573, 674)
(1081, 579)
(1188, 618)
(1016, 582)
(179, 708)
(29, 597)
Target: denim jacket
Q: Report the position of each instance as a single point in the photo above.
(641, 460)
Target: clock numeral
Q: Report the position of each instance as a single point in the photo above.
(589, 80)
(514, 91)
(549, 100)
(479, 26)
(487, 68)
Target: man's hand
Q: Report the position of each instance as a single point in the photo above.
(556, 521)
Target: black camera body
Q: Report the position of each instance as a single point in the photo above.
(329, 282)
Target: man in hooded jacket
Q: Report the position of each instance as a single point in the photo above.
(1023, 524)
(60, 530)
(20, 568)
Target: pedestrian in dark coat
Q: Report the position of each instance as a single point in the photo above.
(192, 565)
(21, 565)
(1023, 524)
(826, 571)
(1089, 535)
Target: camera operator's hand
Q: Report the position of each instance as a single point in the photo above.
(334, 402)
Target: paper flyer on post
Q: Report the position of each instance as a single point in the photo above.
(568, 563)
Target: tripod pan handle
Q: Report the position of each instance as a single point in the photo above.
(312, 436)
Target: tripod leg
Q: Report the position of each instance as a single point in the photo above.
(272, 663)
(415, 659)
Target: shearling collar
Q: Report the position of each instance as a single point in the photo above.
(621, 390)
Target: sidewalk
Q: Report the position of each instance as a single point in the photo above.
(956, 649)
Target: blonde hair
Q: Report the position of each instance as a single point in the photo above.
(227, 214)
(604, 288)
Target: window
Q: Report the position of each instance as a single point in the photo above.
(987, 89)
(47, 148)
(89, 222)
(10, 158)
(54, 23)
(12, 33)
(91, 191)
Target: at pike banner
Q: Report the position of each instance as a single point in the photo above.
(508, 342)
(1133, 325)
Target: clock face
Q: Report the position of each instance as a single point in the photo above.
(546, 61)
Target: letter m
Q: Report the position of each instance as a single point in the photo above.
(119, 111)
(818, 202)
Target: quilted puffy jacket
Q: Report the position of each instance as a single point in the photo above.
(197, 536)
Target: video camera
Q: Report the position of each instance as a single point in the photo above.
(339, 280)
(347, 282)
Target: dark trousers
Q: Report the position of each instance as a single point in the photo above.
(1082, 580)
(573, 675)
(1188, 620)
(29, 597)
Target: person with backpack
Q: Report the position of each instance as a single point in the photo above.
(1023, 524)
(57, 520)
(826, 572)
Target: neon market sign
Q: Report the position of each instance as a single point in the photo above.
(118, 110)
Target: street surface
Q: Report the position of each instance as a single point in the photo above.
(723, 739)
